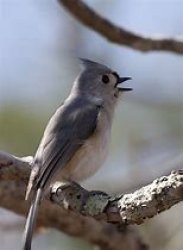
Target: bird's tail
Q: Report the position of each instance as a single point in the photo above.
(31, 219)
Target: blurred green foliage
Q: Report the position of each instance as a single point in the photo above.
(20, 130)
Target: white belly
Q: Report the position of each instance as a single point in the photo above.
(90, 157)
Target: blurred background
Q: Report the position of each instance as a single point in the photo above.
(39, 46)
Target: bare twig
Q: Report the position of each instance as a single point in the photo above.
(117, 34)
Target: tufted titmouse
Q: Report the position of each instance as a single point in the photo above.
(75, 141)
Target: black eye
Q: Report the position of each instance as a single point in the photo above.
(105, 79)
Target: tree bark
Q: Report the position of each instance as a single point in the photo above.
(14, 174)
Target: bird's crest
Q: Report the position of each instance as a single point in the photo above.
(88, 64)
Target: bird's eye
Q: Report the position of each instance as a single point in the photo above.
(105, 79)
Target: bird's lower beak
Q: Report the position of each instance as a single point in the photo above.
(121, 80)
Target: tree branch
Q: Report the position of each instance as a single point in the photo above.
(74, 202)
(117, 34)
(133, 208)
(14, 174)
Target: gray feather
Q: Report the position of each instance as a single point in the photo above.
(88, 64)
(30, 222)
(63, 136)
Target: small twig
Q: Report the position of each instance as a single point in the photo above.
(119, 35)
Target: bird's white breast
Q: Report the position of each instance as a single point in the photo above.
(92, 154)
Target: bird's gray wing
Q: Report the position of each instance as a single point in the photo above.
(67, 130)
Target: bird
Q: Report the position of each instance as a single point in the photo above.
(76, 139)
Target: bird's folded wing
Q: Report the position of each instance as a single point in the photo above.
(63, 138)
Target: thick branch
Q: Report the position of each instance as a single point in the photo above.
(14, 173)
(133, 208)
(117, 34)
(74, 202)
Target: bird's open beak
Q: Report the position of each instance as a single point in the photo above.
(121, 80)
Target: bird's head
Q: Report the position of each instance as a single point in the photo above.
(101, 82)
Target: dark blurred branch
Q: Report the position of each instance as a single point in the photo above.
(117, 34)
(14, 174)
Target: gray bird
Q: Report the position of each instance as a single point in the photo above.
(76, 139)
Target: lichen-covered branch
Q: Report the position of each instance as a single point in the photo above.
(84, 213)
(14, 173)
(120, 35)
(86, 208)
(133, 208)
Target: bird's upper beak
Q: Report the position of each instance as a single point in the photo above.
(121, 80)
